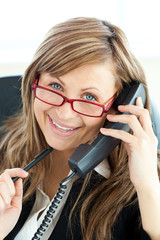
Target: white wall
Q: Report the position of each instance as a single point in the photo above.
(151, 67)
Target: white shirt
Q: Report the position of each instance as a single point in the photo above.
(42, 203)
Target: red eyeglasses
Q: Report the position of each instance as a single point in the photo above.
(83, 107)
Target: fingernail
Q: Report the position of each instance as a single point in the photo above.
(26, 173)
(121, 106)
(140, 100)
(109, 116)
(103, 130)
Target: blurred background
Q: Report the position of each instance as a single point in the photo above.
(23, 25)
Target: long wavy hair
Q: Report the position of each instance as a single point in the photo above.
(75, 43)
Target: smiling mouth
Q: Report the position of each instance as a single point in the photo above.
(63, 129)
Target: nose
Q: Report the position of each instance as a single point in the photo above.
(65, 112)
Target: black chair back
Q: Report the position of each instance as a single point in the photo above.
(10, 96)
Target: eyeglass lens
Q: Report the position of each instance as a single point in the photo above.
(49, 97)
(79, 106)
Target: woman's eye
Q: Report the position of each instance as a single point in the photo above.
(90, 97)
(56, 86)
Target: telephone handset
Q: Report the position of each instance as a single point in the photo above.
(87, 157)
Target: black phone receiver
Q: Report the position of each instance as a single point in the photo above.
(86, 157)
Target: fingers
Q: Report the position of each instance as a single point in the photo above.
(120, 134)
(5, 194)
(131, 120)
(139, 102)
(17, 199)
(140, 112)
(9, 190)
(6, 178)
(138, 120)
(15, 172)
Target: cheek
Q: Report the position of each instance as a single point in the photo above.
(93, 126)
(39, 110)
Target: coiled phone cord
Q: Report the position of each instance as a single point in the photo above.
(52, 208)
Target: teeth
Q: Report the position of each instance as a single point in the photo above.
(63, 129)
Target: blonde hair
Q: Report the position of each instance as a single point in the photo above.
(71, 44)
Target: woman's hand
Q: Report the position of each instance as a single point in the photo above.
(142, 159)
(10, 199)
(141, 145)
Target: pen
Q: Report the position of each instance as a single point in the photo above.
(36, 159)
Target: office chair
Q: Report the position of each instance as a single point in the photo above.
(10, 96)
(10, 102)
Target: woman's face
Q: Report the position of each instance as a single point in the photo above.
(63, 128)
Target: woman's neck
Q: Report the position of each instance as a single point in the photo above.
(59, 170)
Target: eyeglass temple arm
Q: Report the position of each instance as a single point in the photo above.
(109, 102)
(35, 83)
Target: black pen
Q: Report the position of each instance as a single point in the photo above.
(36, 159)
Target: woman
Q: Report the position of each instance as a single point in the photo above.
(85, 59)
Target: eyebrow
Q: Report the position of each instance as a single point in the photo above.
(60, 80)
(91, 88)
(53, 76)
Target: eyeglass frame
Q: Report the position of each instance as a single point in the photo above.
(109, 102)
